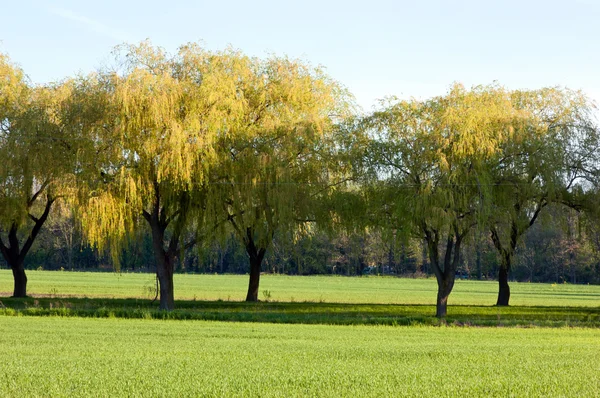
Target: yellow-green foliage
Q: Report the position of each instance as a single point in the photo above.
(36, 145)
(443, 156)
(237, 135)
(551, 152)
(12, 86)
(159, 116)
(275, 158)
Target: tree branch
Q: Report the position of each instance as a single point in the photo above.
(36, 228)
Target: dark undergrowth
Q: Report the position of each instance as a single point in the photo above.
(304, 312)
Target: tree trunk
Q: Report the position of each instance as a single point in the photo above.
(444, 275)
(20, 286)
(165, 262)
(15, 256)
(12, 257)
(256, 256)
(504, 289)
(164, 272)
(506, 255)
(445, 286)
(445, 279)
(255, 265)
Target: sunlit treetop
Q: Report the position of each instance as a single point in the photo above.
(38, 150)
(176, 124)
(153, 136)
(276, 158)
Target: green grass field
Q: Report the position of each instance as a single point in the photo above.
(314, 336)
(119, 357)
(327, 289)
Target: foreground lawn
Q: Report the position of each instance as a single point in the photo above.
(117, 357)
(327, 289)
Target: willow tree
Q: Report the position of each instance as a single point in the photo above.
(429, 169)
(274, 161)
(153, 148)
(37, 155)
(553, 151)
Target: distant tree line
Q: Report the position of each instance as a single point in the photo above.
(218, 162)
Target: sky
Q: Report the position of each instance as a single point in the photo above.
(376, 48)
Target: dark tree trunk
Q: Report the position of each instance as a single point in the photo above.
(256, 256)
(253, 285)
(445, 280)
(165, 281)
(165, 261)
(506, 254)
(166, 252)
(504, 288)
(15, 256)
(20, 286)
(12, 257)
(445, 269)
(445, 286)
(507, 251)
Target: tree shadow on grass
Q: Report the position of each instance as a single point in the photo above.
(304, 312)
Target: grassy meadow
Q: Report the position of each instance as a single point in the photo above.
(52, 356)
(99, 334)
(281, 288)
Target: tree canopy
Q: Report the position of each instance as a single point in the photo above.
(550, 159)
(444, 165)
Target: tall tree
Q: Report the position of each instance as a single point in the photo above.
(153, 147)
(429, 166)
(37, 155)
(553, 151)
(274, 162)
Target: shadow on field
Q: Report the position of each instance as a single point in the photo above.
(304, 312)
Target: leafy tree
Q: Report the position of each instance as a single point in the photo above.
(275, 161)
(549, 155)
(429, 163)
(153, 147)
(37, 159)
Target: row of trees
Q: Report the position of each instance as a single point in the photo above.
(200, 146)
(557, 249)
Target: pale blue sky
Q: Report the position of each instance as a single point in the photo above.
(376, 48)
